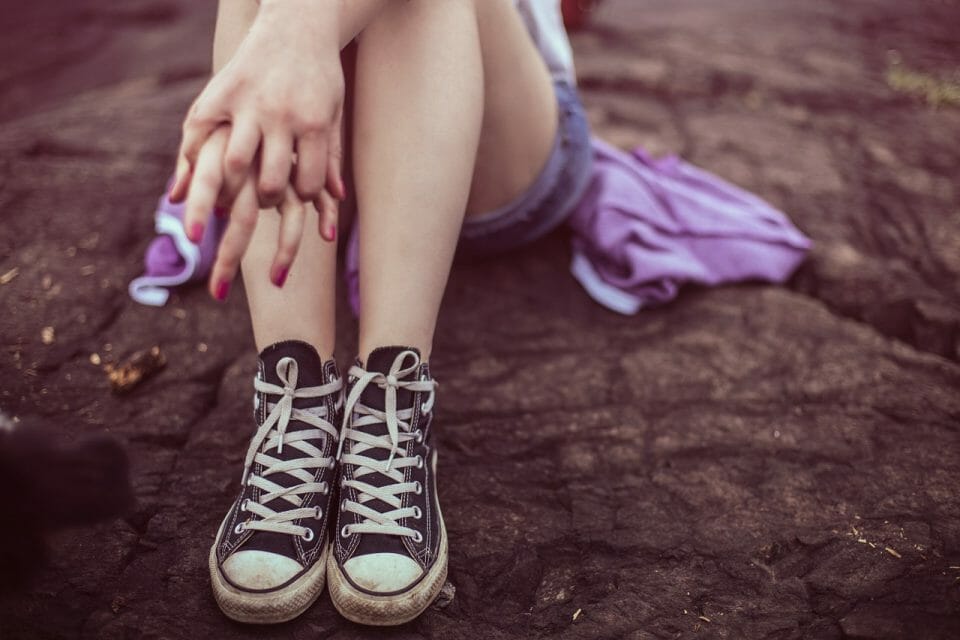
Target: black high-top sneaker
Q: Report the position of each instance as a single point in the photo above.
(269, 559)
(390, 546)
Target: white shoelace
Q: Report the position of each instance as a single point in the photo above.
(398, 433)
(271, 435)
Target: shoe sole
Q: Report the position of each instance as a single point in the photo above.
(273, 607)
(383, 611)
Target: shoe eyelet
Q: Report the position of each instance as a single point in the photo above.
(417, 537)
(417, 513)
(419, 462)
(308, 536)
(418, 488)
(239, 528)
(325, 489)
(317, 513)
(345, 531)
(343, 505)
(331, 464)
(243, 505)
(418, 436)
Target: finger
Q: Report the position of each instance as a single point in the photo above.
(205, 184)
(200, 122)
(238, 158)
(292, 215)
(334, 176)
(181, 181)
(327, 209)
(236, 239)
(276, 154)
(310, 169)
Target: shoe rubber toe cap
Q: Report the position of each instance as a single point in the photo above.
(258, 570)
(382, 572)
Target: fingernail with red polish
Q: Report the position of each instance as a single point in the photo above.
(196, 232)
(223, 288)
(280, 276)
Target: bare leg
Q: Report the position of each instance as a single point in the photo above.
(423, 105)
(304, 308)
(519, 110)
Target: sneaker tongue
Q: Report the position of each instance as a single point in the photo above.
(310, 371)
(381, 360)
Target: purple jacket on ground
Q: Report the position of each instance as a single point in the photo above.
(646, 226)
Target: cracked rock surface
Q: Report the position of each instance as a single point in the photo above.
(747, 462)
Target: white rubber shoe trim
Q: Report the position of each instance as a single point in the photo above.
(389, 610)
(273, 607)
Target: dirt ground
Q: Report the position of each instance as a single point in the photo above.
(747, 462)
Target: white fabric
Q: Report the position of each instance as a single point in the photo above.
(606, 294)
(544, 21)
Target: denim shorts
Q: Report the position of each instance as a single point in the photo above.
(549, 200)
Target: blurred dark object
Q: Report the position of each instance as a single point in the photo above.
(135, 369)
(576, 13)
(49, 486)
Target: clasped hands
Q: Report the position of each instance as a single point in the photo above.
(265, 133)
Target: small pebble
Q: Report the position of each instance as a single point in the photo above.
(9, 275)
(446, 595)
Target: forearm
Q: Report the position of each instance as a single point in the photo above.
(234, 19)
(346, 18)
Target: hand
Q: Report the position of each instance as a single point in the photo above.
(282, 94)
(243, 215)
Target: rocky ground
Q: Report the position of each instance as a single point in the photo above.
(748, 462)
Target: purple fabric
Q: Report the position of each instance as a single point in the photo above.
(645, 227)
(171, 258)
(351, 271)
(162, 258)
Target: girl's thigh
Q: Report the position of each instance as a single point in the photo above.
(520, 116)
